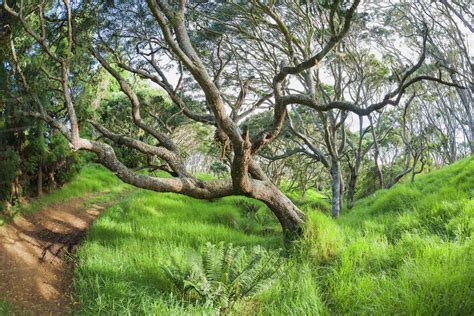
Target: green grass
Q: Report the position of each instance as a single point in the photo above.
(120, 264)
(407, 250)
(91, 179)
(6, 308)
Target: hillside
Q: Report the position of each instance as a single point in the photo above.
(407, 250)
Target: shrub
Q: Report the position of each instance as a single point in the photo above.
(225, 275)
(249, 207)
(256, 217)
(218, 168)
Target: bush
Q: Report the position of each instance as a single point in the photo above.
(256, 217)
(218, 168)
(225, 275)
(249, 207)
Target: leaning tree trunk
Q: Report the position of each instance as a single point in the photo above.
(291, 218)
(336, 188)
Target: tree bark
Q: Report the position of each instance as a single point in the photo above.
(352, 186)
(39, 185)
(378, 169)
(291, 218)
(336, 188)
(342, 188)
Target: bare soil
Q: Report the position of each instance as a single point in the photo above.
(35, 256)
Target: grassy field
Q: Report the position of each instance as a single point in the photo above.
(407, 250)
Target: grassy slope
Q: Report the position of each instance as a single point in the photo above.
(91, 179)
(406, 250)
(120, 263)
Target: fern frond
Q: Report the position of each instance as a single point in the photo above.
(227, 274)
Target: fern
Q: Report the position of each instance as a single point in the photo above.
(226, 274)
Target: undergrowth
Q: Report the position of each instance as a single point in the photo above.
(91, 179)
(407, 250)
(225, 275)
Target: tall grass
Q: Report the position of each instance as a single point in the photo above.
(120, 263)
(407, 250)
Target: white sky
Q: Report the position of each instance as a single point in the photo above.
(352, 120)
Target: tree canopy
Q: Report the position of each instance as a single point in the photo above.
(263, 90)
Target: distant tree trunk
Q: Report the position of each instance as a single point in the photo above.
(336, 188)
(40, 180)
(52, 179)
(352, 186)
(378, 169)
(414, 171)
(413, 167)
(5, 208)
(342, 188)
(355, 167)
(467, 102)
(471, 140)
(17, 188)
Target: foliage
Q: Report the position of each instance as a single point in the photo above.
(92, 179)
(6, 308)
(120, 264)
(226, 275)
(218, 168)
(60, 160)
(402, 258)
(311, 200)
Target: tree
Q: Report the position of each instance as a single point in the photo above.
(447, 47)
(143, 39)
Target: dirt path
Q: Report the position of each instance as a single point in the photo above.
(35, 273)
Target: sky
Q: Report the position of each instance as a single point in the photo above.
(352, 120)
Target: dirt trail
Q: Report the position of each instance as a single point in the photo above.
(35, 273)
